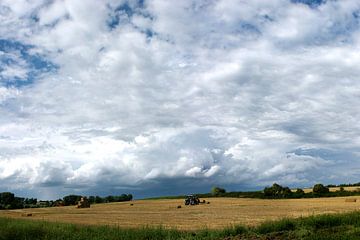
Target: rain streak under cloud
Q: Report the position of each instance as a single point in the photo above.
(160, 97)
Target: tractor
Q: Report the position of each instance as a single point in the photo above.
(192, 200)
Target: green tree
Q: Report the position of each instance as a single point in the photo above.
(130, 197)
(320, 189)
(109, 198)
(91, 199)
(71, 199)
(7, 198)
(216, 191)
(299, 191)
(30, 201)
(98, 199)
(277, 191)
(9, 201)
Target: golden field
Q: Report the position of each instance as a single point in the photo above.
(221, 212)
(334, 189)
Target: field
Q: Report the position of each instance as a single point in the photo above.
(334, 189)
(319, 227)
(220, 213)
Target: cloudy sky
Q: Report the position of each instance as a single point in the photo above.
(158, 97)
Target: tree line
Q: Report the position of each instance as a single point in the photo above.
(8, 200)
(277, 191)
(344, 185)
(73, 199)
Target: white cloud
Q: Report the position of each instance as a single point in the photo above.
(219, 90)
(17, 68)
(7, 93)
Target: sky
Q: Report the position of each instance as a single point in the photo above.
(158, 97)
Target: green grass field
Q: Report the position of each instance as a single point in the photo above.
(336, 226)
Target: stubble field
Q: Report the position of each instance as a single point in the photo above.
(220, 213)
(334, 189)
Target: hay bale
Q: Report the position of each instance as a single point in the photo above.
(26, 214)
(208, 203)
(350, 200)
(131, 204)
(179, 206)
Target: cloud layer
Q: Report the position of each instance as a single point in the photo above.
(155, 96)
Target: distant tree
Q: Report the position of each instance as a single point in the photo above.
(57, 203)
(7, 198)
(18, 203)
(320, 189)
(216, 191)
(109, 199)
(9, 201)
(130, 197)
(91, 199)
(342, 189)
(123, 197)
(299, 191)
(277, 191)
(98, 199)
(30, 201)
(71, 199)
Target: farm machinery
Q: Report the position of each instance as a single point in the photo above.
(83, 203)
(192, 200)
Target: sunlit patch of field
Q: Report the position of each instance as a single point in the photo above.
(221, 212)
(334, 189)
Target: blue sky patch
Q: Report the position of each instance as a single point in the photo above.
(311, 3)
(123, 13)
(19, 66)
(115, 17)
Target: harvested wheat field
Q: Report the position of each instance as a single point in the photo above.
(334, 189)
(221, 212)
